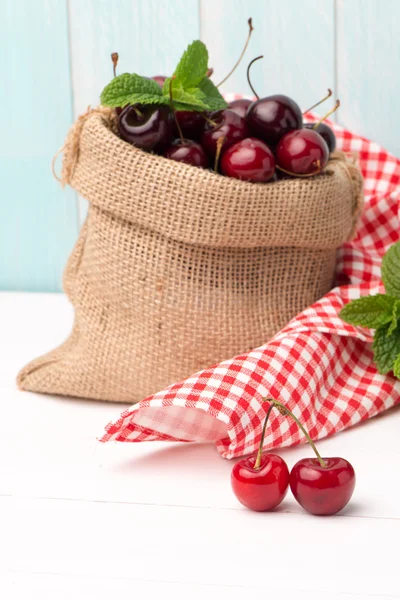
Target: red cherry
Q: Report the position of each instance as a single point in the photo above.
(226, 124)
(187, 152)
(322, 490)
(302, 152)
(249, 160)
(160, 79)
(271, 118)
(191, 123)
(261, 488)
(325, 132)
(240, 106)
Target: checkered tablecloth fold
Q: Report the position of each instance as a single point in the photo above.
(318, 365)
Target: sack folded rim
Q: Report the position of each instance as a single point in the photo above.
(198, 206)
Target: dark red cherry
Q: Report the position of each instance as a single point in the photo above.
(160, 79)
(227, 124)
(302, 152)
(188, 152)
(191, 123)
(249, 160)
(325, 132)
(119, 110)
(145, 126)
(271, 118)
(281, 175)
(240, 106)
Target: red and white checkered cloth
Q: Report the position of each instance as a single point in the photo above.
(319, 366)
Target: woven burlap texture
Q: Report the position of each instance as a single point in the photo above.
(177, 268)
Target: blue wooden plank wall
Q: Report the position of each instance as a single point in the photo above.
(38, 223)
(56, 59)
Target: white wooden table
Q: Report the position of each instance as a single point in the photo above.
(83, 520)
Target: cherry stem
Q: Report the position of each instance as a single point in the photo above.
(137, 111)
(301, 174)
(114, 59)
(285, 411)
(329, 94)
(248, 75)
(173, 110)
(327, 114)
(209, 72)
(220, 143)
(260, 449)
(213, 123)
(251, 28)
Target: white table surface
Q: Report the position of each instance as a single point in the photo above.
(83, 520)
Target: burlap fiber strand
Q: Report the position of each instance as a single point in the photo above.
(177, 268)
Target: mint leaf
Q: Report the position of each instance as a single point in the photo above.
(193, 65)
(386, 348)
(391, 270)
(369, 311)
(191, 99)
(395, 317)
(205, 97)
(396, 367)
(187, 107)
(213, 99)
(131, 89)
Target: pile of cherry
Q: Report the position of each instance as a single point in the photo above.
(322, 486)
(258, 141)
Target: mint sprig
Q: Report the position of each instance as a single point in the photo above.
(191, 89)
(382, 313)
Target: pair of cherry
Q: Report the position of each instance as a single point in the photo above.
(322, 486)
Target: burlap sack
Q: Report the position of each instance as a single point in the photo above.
(177, 268)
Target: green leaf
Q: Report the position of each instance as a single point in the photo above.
(395, 317)
(187, 107)
(386, 348)
(193, 65)
(214, 100)
(184, 99)
(391, 270)
(369, 311)
(396, 367)
(191, 96)
(131, 89)
(167, 83)
(204, 97)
